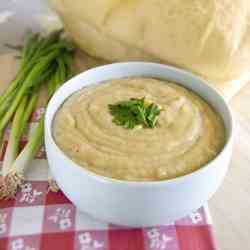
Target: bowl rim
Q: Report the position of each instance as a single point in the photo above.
(139, 184)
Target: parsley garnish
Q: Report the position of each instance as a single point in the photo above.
(134, 112)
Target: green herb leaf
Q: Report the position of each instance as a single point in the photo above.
(134, 112)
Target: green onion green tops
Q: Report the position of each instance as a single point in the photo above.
(135, 112)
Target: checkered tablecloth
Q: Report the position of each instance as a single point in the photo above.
(40, 220)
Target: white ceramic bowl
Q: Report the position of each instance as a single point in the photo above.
(137, 203)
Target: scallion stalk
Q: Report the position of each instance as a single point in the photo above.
(43, 59)
(15, 175)
(33, 78)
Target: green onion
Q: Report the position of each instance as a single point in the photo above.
(44, 60)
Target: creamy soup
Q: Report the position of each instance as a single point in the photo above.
(188, 133)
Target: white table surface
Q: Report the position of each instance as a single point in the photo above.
(230, 206)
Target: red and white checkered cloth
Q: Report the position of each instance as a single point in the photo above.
(40, 220)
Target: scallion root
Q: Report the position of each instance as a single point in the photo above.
(53, 187)
(12, 181)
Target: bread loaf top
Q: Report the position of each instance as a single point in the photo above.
(208, 37)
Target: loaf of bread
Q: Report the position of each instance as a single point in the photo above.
(208, 37)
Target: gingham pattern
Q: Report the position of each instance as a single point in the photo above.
(40, 220)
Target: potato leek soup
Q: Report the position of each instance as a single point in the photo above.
(138, 129)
